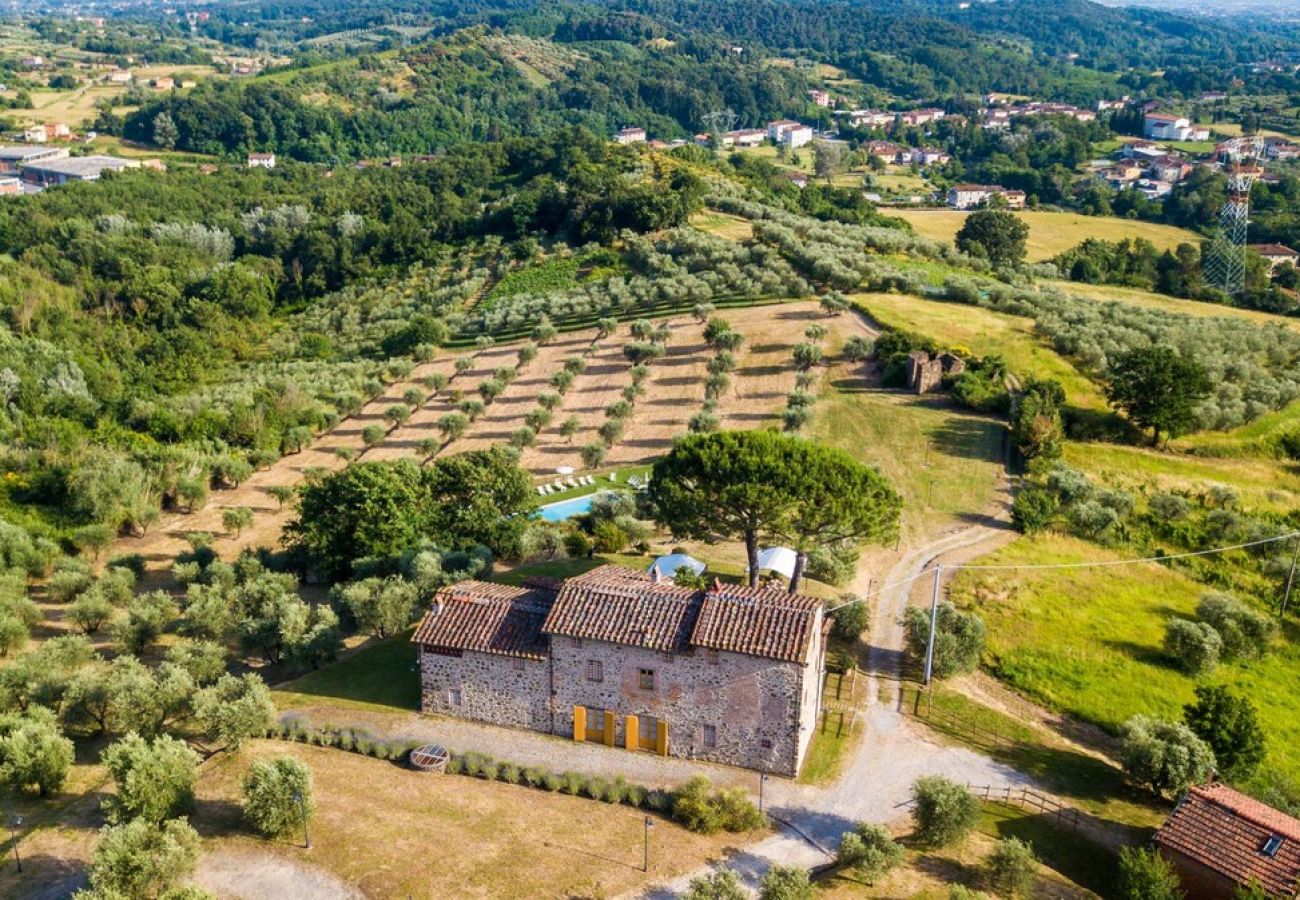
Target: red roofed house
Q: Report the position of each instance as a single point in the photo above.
(1276, 254)
(628, 659)
(1219, 839)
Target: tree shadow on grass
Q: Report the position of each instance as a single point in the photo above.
(1143, 653)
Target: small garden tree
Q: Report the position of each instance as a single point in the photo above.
(1163, 756)
(1229, 723)
(785, 883)
(1012, 868)
(234, 709)
(140, 859)
(155, 779)
(277, 795)
(958, 638)
(381, 606)
(33, 752)
(944, 811)
(1146, 875)
(235, 519)
(869, 850)
(1194, 646)
(723, 884)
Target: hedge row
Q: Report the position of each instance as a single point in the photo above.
(697, 805)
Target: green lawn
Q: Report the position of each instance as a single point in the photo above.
(1088, 641)
(1084, 781)
(1262, 483)
(944, 462)
(382, 675)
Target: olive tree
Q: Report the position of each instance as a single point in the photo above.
(278, 795)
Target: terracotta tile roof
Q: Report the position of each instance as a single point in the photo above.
(623, 606)
(488, 618)
(759, 622)
(1272, 249)
(1232, 834)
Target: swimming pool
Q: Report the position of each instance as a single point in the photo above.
(567, 509)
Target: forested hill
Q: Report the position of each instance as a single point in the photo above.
(472, 86)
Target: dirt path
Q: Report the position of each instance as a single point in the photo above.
(234, 875)
(877, 778)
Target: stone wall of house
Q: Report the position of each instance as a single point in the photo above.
(503, 690)
(925, 372)
(757, 713)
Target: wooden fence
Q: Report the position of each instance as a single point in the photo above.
(1027, 798)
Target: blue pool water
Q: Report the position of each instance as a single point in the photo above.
(567, 509)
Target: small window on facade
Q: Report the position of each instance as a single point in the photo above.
(519, 663)
(710, 736)
(1272, 845)
(765, 743)
(595, 670)
(713, 657)
(646, 679)
(453, 696)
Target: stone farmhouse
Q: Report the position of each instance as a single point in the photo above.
(727, 674)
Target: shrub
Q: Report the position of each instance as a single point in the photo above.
(701, 809)
(1245, 633)
(958, 641)
(573, 783)
(944, 811)
(33, 752)
(1194, 646)
(1012, 868)
(1229, 724)
(785, 883)
(509, 773)
(1033, 509)
(1146, 875)
(141, 859)
(870, 850)
(277, 795)
(850, 619)
(723, 884)
(1162, 756)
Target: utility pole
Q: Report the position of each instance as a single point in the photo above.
(645, 859)
(934, 622)
(1290, 579)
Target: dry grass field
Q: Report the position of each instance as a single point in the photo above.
(1051, 233)
(473, 838)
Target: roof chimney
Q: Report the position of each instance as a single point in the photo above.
(716, 587)
(655, 576)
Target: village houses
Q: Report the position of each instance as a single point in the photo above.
(630, 136)
(790, 133)
(1171, 127)
(1275, 254)
(629, 659)
(971, 196)
(261, 160)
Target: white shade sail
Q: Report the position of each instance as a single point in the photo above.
(668, 565)
(777, 559)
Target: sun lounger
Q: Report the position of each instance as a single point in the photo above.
(573, 483)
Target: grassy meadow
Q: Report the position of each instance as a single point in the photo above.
(984, 333)
(1051, 233)
(1088, 641)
